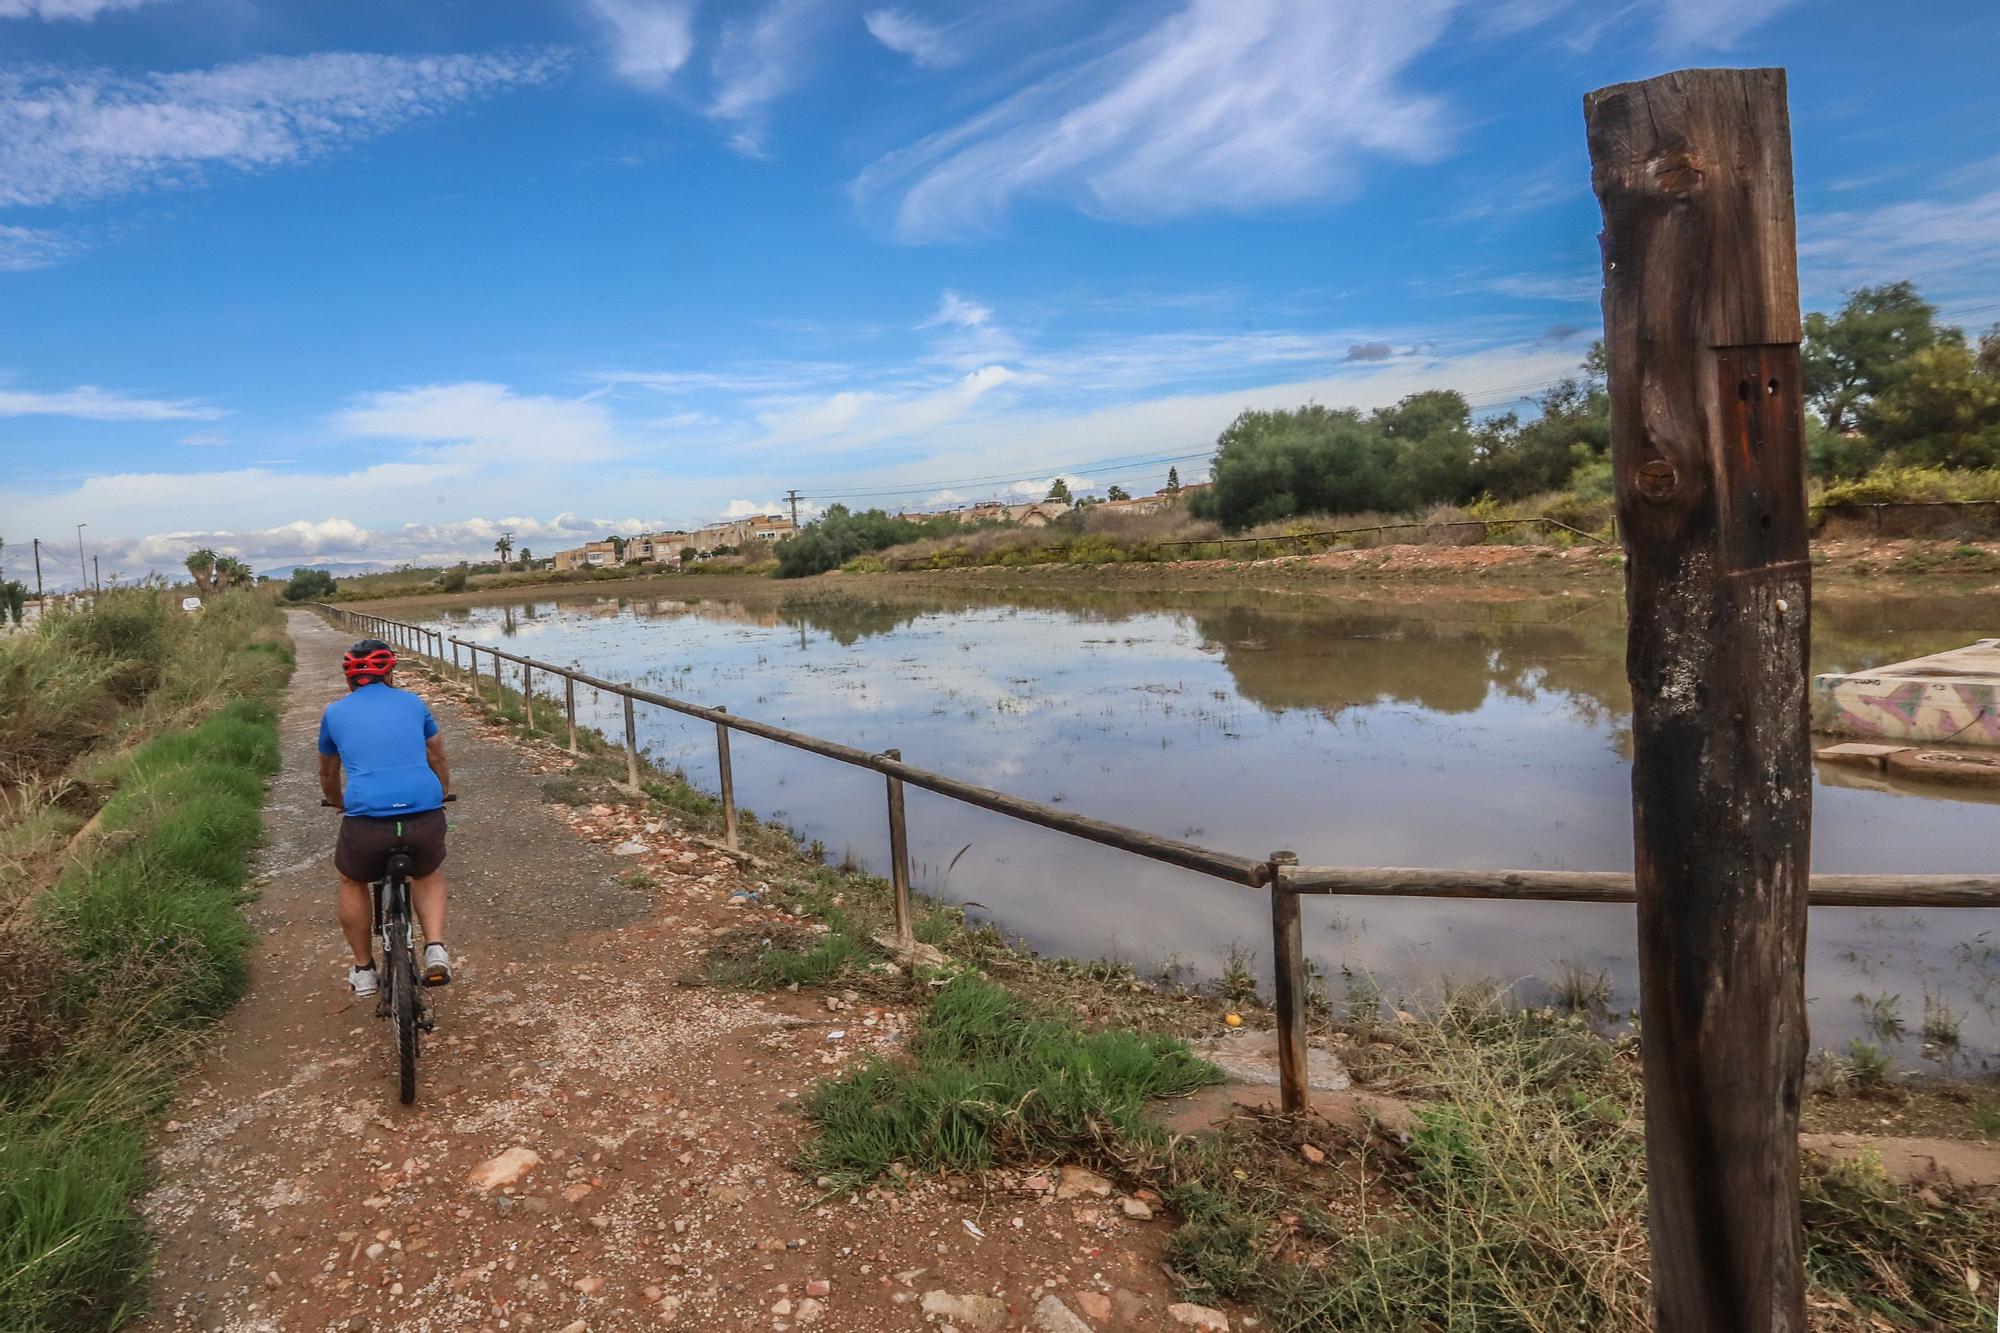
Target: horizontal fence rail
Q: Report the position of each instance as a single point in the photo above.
(1280, 871)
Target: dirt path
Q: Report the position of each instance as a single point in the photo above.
(297, 1194)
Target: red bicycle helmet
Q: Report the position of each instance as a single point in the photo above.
(367, 662)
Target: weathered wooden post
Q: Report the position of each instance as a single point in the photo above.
(472, 655)
(1288, 989)
(1701, 319)
(726, 779)
(528, 693)
(899, 858)
(569, 707)
(631, 745)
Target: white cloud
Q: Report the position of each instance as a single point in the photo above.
(853, 418)
(68, 135)
(923, 43)
(87, 402)
(82, 11)
(1716, 24)
(485, 423)
(650, 39)
(760, 60)
(1946, 244)
(1233, 104)
(25, 248)
(954, 309)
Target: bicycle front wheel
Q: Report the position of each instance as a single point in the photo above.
(402, 981)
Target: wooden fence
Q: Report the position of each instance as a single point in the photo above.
(1277, 871)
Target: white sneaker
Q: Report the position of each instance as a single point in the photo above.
(363, 981)
(437, 965)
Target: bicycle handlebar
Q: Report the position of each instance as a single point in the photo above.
(330, 805)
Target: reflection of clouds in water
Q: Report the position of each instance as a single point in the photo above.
(1359, 737)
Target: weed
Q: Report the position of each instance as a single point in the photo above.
(1942, 1023)
(1239, 981)
(1581, 990)
(1882, 1015)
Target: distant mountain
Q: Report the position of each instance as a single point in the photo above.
(337, 568)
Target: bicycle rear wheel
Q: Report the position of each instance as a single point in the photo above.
(402, 981)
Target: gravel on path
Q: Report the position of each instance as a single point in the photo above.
(595, 1145)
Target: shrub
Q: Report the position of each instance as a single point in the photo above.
(309, 585)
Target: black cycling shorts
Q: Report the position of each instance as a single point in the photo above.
(362, 851)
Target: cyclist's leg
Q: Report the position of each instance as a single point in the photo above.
(357, 919)
(427, 897)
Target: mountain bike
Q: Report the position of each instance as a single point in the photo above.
(400, 995)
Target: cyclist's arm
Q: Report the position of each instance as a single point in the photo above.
(434, 752)
(329, 778)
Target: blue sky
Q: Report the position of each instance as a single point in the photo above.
(377, 279)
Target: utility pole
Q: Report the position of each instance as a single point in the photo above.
(792, 497)
(96, 575)
(38, 571)
(82, 573)
(1693, 171)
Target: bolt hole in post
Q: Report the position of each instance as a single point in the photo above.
(899, 856)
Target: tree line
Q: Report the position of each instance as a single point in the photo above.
(1887, 382)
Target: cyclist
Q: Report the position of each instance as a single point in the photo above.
(396, 780)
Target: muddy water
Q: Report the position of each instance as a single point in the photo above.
(1474, 733)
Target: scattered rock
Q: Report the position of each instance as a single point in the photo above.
(578, 1327)
(1205, 1318)
(819, 1286)
(630, 847)
(273, 1281)
(375, 1251)
(576, 1193)
(809, 1311)
(783, 1307)
(981, 1312)
(1052, 1316)
(1312, 1154)
(1136, 1208)
(589, 1286)
(1094, 1304)
(506, 1169)
(1075, 1182)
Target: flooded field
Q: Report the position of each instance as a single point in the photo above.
(1449, 733)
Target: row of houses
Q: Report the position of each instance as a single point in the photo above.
(1043, 512)
(671, 547)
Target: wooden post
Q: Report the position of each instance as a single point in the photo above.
(727, 780)
(457, 671)
(472, 655)
(1288, 989)
(528, 693)
(569, 707)
(631, 746)
(899, 858)
(1701, 315)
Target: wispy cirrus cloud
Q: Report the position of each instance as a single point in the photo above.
(87, 402)
(649, 39)
(758, 60)
(26, 248)
(1944, 244)
(79, 11)
(1225, 104)
(70, 135)
(1715, 24)
(485, 423)
(925, 44)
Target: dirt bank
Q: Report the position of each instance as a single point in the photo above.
(1391, 573)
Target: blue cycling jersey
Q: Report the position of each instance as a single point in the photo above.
(378, 732)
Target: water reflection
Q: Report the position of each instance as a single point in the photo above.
(1452, 733)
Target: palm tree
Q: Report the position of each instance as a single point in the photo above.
(527, 558)
(1059, 490)
(201, 566)
(233, 573)
(503, 546)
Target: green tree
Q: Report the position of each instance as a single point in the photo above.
(1118, 493)
(201, 568)
(527, 558)
(1859, 353)
(841, 534)
(503, 546)
(14, 600)
(618, 546)
(1173, 481)
(309, 585)
(233, 573)
(1943, 407)
(688, 553)
(1059, 490)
